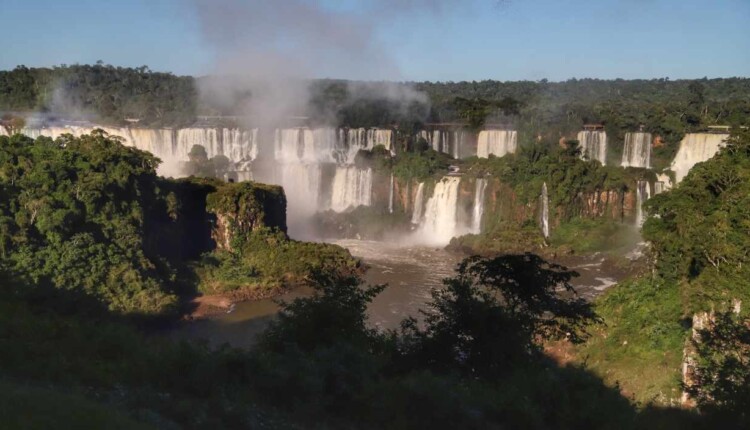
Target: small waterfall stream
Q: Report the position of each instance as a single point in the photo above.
(642, 193)
(416, 216)
(695, 148)
(496, 142)
(440, 222)
(593, 145)
(637, 150)
(478, 210)
(544, 218)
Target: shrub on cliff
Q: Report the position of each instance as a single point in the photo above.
(700, 230)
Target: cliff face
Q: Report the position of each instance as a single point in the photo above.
(243, 208)
(502, 204)
(205, 214)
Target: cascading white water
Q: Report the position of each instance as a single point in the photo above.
(593, 145)
(544, 218)
(496, 142)
(446, 141)
(353, 140)
(696, 148)
(478, 210)
(642, 193)
(301, 145)
(351, 187)
(637, 150)
(172, 146)
(416, 215)
(663, 183)
(301, 184)
(299, 155)
(440, 222)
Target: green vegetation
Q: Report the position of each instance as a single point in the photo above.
(580, 220)
(554, 109)
(550, 110)
(74, 216)
(267, 260)
(585, 236)
(119, 375)
(89, 233)
(639, 347)
(410, 166)
(89, 216)
(566, 175)
(700, 230)
(722, 371)
(107, 93)
(501, 238)
(700, 237)
(243, 208)
(475, 363)
(200, 165)
(35, 408)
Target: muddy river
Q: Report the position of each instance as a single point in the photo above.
(410, 272)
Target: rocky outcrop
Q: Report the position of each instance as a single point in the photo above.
(244, 208)
(701, 322)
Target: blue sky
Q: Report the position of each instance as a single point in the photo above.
(465, 40)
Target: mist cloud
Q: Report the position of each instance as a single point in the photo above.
(272, 48)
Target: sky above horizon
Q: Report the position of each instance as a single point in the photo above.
(415, 40)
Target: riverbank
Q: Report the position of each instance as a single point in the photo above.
(411, 273)
(211, 305)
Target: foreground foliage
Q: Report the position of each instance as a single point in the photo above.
(722, 371)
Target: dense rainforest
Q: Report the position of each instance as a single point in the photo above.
(100, 92)
(75, 213)
(693, 307)
(663, 107)
(90, 216)
(97, 252)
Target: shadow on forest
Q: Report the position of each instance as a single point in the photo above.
(319, 361)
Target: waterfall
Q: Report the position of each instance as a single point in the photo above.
(416, 216)
(696, 148)
(478, 210)
(458, 147)
(544, 218)
(172, 146)
(296, 159)
(642, 193)
(593, 145)
(352, 187)
(438, 140)
(496, 142)
(637, 150)
(663, 183)
(440, 222)
(301, 184)
(390, 196)
(302, 145)
(356, 139)
(445, 141)
(205, 137)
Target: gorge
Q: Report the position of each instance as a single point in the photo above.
(319, 168)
